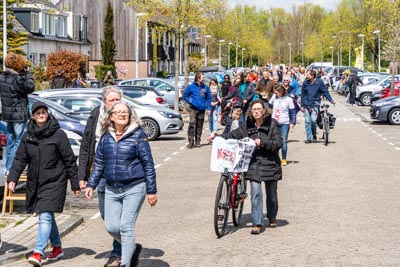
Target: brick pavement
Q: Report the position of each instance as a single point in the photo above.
(338, 207)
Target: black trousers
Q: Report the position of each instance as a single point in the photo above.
(196, 121)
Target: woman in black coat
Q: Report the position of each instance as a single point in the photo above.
(265, 164)
(47, 152)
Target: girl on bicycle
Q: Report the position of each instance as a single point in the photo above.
(265, 164)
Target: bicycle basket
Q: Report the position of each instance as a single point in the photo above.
(332, 120)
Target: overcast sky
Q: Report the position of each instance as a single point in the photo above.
(286, 4)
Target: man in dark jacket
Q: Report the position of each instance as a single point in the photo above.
(265, 87)
(15, 85)
(59, 81)
(198, 97)
(354, 81)
(87, 150)
(313, 89)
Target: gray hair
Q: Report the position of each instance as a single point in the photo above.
(133, 118)
(109, 89)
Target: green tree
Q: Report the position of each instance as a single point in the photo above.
(108, 44)
(15, 40)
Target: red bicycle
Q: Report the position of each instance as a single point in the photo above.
(231, 193)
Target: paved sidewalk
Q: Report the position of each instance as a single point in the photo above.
(19, 236)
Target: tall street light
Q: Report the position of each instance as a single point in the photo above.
(302, 53)
(138, 15)
(290, 54)
(242, 55)
(205, 49)
(237, 46)
(362, 51)
(331, 47)
(219, 54)
(379, 49)
(229, 54)
(4, 34)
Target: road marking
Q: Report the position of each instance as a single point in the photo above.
(166, 159)
(390, 143)
(384, 138)
(158, 165)
(182, 148)
(97, 215)
(379, 134)
(398, 148)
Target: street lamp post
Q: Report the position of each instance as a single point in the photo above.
(362, 51)
(302, 53)
(4, 34)
(229, 54)
(205, 49)
(331, 47)
(138, 15)
(219, 54)
(379, 49)
(290, 54)
(242, 55)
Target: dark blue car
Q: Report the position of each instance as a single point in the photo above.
(68, 119)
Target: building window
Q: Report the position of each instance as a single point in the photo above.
(42, 59)
(48, 24)
(61, 26)
(83, 28)
(34, 22)
(33, 58)
(75, 27)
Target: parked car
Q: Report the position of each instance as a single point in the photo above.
(156, 120)
(335, 74)
(386, 109)
(386, 92)
(165, 87)
(365, 77)
(364, 92)
(68, 119)
(144, 94)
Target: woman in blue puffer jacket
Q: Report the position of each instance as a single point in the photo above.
(124, 158)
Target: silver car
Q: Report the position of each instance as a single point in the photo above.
(156, 120)
(166, 87)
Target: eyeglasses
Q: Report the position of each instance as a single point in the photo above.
(120, 112)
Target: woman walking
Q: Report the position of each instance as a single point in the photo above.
(215, 103)
(265, 164)
(46, 150)
(284, 112)
(123, 157)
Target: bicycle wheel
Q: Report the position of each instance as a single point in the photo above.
(221, 207)
(326, 130)
(237, 211)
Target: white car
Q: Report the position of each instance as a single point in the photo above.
(166, 87)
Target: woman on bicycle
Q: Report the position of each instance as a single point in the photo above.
(265, 164)
(283, 111)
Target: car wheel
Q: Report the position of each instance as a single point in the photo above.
(181, 104)
(394, 116)
(151, 128)
(365, 99)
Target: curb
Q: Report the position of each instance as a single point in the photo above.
(74, 221)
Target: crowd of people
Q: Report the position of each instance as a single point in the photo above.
(264, 107)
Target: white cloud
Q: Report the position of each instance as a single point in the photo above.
(286, 4)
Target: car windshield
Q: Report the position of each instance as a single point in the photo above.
(54, 105)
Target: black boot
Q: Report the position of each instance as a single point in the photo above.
(135, 256)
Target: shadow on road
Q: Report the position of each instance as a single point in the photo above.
(146, 257)
(11, 248)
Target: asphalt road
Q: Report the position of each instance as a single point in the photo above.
(339, 206)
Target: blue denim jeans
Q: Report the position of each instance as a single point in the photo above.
(15, 130)
(101, 188)
(47, 229)
(213, 119)
(285, 132)
(257, 201)
(311, 122)
(122, 207)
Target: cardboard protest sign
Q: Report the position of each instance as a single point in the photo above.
(231, 155)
